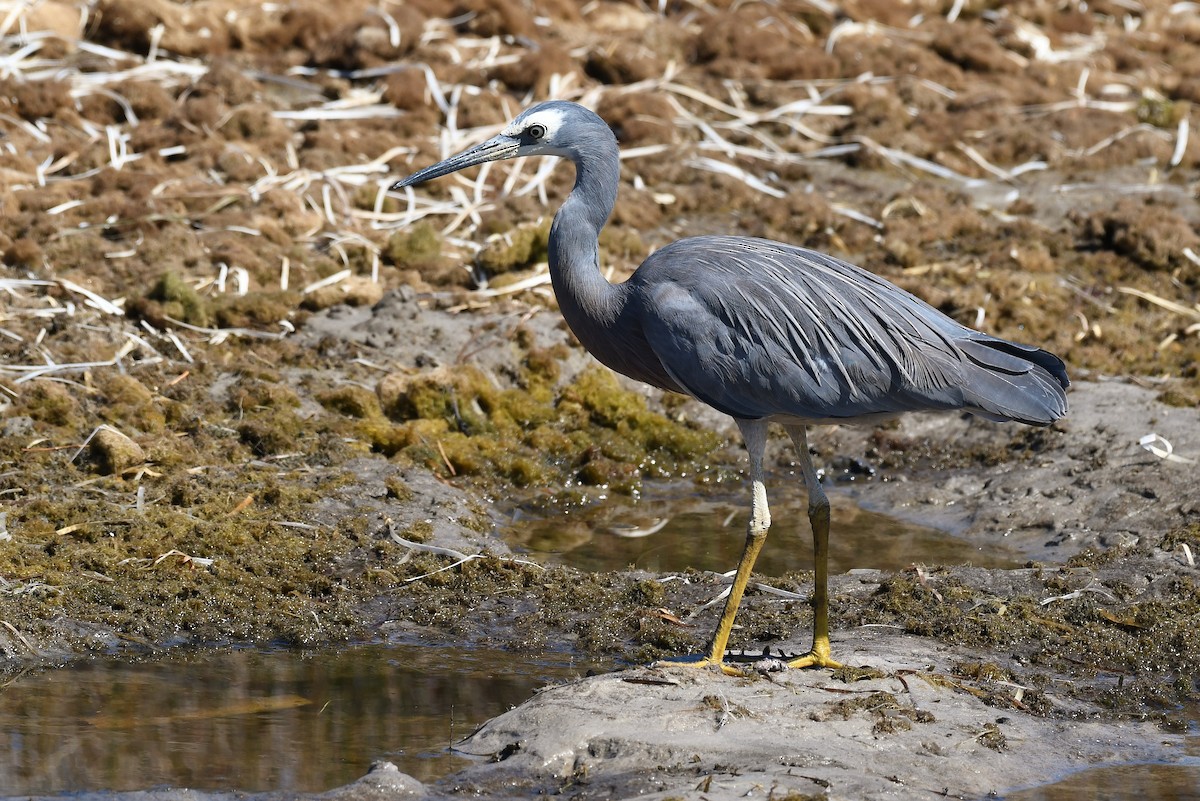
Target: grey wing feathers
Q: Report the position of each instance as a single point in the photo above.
(759, 329)
(1015, 382)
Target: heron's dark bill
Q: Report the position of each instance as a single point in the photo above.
(494, 149)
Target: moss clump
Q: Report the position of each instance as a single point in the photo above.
(1150, 234)
(1180, 397)
(622, 244)
(48, 402)
(1189, 535)
(647, 592)
(549, 440)
(384, 436)
(655, 638)
(463, 398)
(993, 738)
(518, 249)
(420, 531)
(255, 395)
(269, 437)
(850, 674)
(173, 297)
(417, 247)
(255, 310)
(266, 582)
(24, 252)
(542, 365)
(265, 416)
(397, 489)
(849, 707)
(351, 401)
(1147, 638)
(890, 716)
(634, 427)
(600, 471)
(128, 402)
(591, 430)
(124, 390)
(982, 671)
(1160, 112)
(35, 100)
(492, 456)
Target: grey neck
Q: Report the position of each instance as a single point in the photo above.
(588, 301)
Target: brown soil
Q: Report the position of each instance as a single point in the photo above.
(239, 380)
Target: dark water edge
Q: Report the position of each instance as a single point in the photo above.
(255, 720)
(1142, 782)
(1121, 783)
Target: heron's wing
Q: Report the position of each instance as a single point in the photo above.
(760, 329)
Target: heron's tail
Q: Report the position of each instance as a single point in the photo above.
(1014, 382)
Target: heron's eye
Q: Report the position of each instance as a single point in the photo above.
(536, 131)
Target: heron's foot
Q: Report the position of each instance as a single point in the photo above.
(699, 662)
(817, 657)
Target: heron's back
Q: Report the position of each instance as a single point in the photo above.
(760, 329)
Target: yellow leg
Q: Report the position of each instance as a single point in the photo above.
(818, 516)
(755, 434)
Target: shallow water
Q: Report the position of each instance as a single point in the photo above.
(1152, 782)
(304, 721)
(1120, 783)
(670, 529)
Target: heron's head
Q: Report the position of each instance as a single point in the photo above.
(553, 128)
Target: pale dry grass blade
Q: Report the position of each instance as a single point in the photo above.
(1163, 449)
(1169, 305)
(724, 168)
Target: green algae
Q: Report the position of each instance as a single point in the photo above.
(1160, 112)
(416, 247)
(48, 402)
(539, 433)
(129, 403)
(259, 310)
(517, 249)
(177, 299)
(351, 401)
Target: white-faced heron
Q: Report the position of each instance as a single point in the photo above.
(764, 332)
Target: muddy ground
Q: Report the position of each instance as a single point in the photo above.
(248, 395)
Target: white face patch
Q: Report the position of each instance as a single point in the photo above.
(550, 119)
